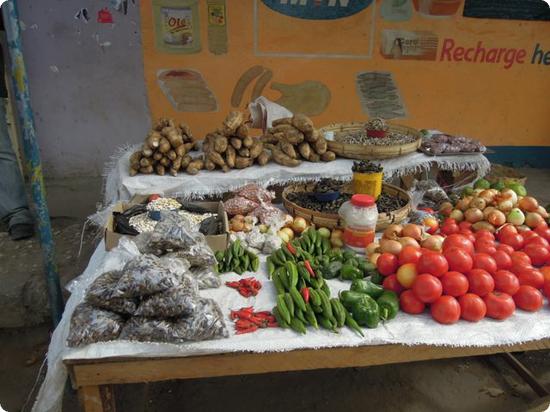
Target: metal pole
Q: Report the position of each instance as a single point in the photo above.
(18, 75)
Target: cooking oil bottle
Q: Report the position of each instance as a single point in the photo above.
(217, 26)
(177, 28)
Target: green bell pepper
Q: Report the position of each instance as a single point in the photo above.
(366, 313)
(376, 278)
(366, 266)
(349, 298)
(388, 303)
(349, 272)
(348, 254)
(368, 287)
(332, 270)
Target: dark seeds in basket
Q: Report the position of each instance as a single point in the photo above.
(385, 202)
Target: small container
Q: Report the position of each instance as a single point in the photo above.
(376, 133)
(326, 196)
(360, 216)
(367, 184)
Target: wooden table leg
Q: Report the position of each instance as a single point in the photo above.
(97, 398)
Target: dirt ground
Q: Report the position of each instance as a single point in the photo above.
(465, 384)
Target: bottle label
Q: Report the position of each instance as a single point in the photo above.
(358, 238)
(177, 26)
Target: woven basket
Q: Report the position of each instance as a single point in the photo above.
(368, 152)
(332, 221)
(506, 174)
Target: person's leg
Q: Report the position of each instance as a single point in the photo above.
(14, 209)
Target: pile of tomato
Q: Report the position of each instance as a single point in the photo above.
(475, 275)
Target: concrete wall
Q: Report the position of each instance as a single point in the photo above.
(86, 82)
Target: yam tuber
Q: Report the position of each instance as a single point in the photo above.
(244, 152)
(328, 156)
(248, 141)
(232, 122)
(176, 164)
(160, 170)
(283, 120)
(320, 145)
(305, 150)
(288, 149)
(312, 136)
(294, 136)
(236, 142)
(146, 170)
(171, 155)
(181, 150)
(269, 138)
(164, 145)
(186, 131)
(146, 151)
(243, 162)
(185, 161)
(209, 164)
(230, 156)
(157, 156)
(189, 146)
(242, 131)
(195, 166)
(162, 123)
(264, 158)
(133, 171)
(134, 160)
(215, 158)
(219, 143)
(144, 162)
(173, 135)
(164, 161)
(302, 122)
(314, 157)
(256, 149)
(282, 158)
(153, 140)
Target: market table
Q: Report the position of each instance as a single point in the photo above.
(120, 186)
(93, 378)
(405, 339)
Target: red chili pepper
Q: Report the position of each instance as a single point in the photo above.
(244, 324)
(233, 285)
(291, 248)
(262, 323)
(234, 314)
(253, 328)
(243, 314)
(305, 294)
(273, 325)
(248, 309)
(245, 292)
(309, 269)
(264, 313)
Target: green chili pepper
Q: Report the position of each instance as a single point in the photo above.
(292, 271)
(326, 323)
(310, 316)
(280, 320)
(281, 273)
(270, 267)
(298, 299)
(300, 315)
(297, 325)
(219, 255)
(325, 245)
(277, 283)
(339, 312)
(288, 256)
(366, 286)
(245, 262)
(314, 297)
(349, 272)
(289, 304)
(283, 310)
(366, 313)
(389, 305)
(352, 324)
(303, 273)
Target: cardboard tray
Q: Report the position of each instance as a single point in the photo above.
(216, 242)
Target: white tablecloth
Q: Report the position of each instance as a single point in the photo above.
(404, 329)
(120, 185)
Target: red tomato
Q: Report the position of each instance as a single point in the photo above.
(449, 228)
(432, 263)
(486, 262)
(459, 241)
(506, 282)
(499, 305)
(520, 257)
(513, 239)
(459, 260)
(506, 249)
(454, 284)
(472, 307)
(529, 235)
(547, 290)
(446, 310)
(537, 240)
(528, 298)
(543, 231)
(464, 225)
(391, 283)
(427, 288)
(506, 229)
(484, 234)
(503, 260)
(481, 282)
(546, 273)
(387, 264)
(409, 303)
(468, 235)
(409, 254)
(531, 277)
(537, 253)
(485, 246)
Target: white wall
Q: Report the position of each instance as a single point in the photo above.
(86, 83)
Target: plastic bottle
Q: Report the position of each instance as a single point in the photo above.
(360, 215)
(396, 10)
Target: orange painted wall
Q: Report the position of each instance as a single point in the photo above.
(496, 105)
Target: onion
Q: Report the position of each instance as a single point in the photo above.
(434, 242)
(509, 194)
(515, 217)
(237, 225)
(336, 234)
(457, 215)
(412, 230)
(528, 204)
(478, 203)
(487, 211)
(299, 225)
(374, 258)
(486, 196)
(473, 215)
(284, 236)
(506, 205)
(483, 225)
(533, 220)
(393, 232)
(408, 241)
(446, 208)
(542, 211)
(288, 231)
(496, 218)
(523, 228)
(464, 203)
(372, 248)
(390, 246)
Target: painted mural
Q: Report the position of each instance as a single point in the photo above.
(422, 63)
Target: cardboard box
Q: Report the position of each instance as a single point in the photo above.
(216, 242)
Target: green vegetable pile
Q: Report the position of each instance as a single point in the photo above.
(298, 271)
(237, 259)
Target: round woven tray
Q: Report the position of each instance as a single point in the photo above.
(332, 221)
(367, 152)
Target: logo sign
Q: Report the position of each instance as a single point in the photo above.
(318, 9)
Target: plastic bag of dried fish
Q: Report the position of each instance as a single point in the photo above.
(256, 193)
(90, 325)
(199, 254)
(205, 323)
(206, 277)
(151, 330)
(100, 294)
(145, 275)
(177, 301)
(173, 232)
(427, 193)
